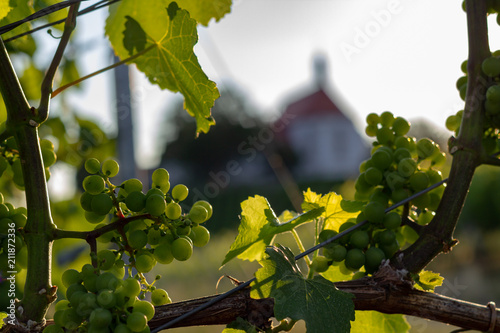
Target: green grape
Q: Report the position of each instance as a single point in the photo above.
(90, 282)
(160, 297)
(155, 205)
(344, 226)
(422, 201)
(374, 212)
(130, 287)
(70, 319)
(335, 252)
(387, 237)
(106, 299)
(132, 185)
(425, 217)
(136, 321)
(107, 280)
(402, 142)
(374, 257)
(121, 328)
(180, 192)
(106, 259)
(372, 119)
(92, 165)
(320, 264)
(86, 201)
(137, 239)
(491, 66)
(463, 91)
(110, 168)
(373, 176)
(354, 259)
(362, 185)
(425, 148)
(61, 305)
(88, 270)
(452, 123)
(144, 263)
(493, 93)
(381, 159)
(463, 66)
(386, 118)
(46, 144)
(49, 157)
(145, 308)
(198, 214)
(371, 131)
(359, 239)
(400, 126)
(326, 234)
(200, 236)
(76, 287)
(100, 317)
(135, 201)
(71, 276)
(385, 135)
(183, 230)
(439, 158)
(409, 234)
(407, 167)
(160, 177)
(94, 184)
(182, 249)
(173, 211)
(118, 269)
(206, 205)
(461, 81)
(401, 153)
(392, 220)
(163, 253)
(86, 304)
(434, 199)
(101, 204)
(419, 181)
(154, 236)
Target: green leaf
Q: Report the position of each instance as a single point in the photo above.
(204, 10)
(376, 322)
(317, 301)
(352, 206)
(428, 280)
(5, 8)
(20, 9)
(169, 61)
(240, 326)
(258, 227)
(3, 315)
(335, 274)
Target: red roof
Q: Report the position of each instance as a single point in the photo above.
(315, 104)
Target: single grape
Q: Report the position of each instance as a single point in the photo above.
(173, 211)
(155, 205)
(137, 321)
(94, 184)
(381, 159)
(101, 204)
(180, 192)
(131, 185)
(94, 218)
(86, 201)
(131, 287)
(76, 287)
(354, 259)
(362, 185)
(90, 282)
(463, 91)
(206, 205)
(160, 177)
(182, 249)
(106, 299)
(392, 220)
(183, 230)
(320, 264)
(425, 148)
(387, 237)
(107, 280)
(200, 236)
(92, 165)
(344, 226)
(402, 142)
(386, 118)
(374, 212)
(326, 234)
(335, 251)
(110, 168)
(49, 157)
(71, 319)
(61, 305)
(160, 297)
(144, 263)
(135, 201)
(463, 66)
(137, 239)
(378, 196)
(71, 276)
(145, 308)
(493, 93)
(372, 119)
(440, 158)
(385, 136)
(374, 257)
(121, 328)
(198, 214)
(400, 126)
(419, 181)
(373, 176)
(452, 123)
(154, 236)
(491, 66)
(407, 167)
(100, 317)
(461, 81)
(359, 239)
(163, 253)
(106, 259)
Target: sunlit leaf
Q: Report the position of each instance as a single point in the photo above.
(5, 8)
(240, 326)
(428, 280)
(376, 322)
(204, 10)
(317, 301)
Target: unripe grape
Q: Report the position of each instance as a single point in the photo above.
(71, 276)
(425, 217)
(100, 317)
(326, 234)
(374, 212)
(110, 168)
(198, 214)
(359, 239)
(86, 201)
(402, 142)
(373, 176)
(400, 126)
(155, 205)
(132, 185)
(173, 211)
(425, 148)
(452, 123)
(200, 236)
(137, 321)
(374, 257)
(160, 297)
(422, 201)
(206, 205)
(145, 308)
(48, 157)
(372, 119)
(463, 66)
(135, 201)
(362, 185)
(92, 165)
(160, 177)
(407, 167)
(180, 192)
(94, 218)
(387, 237)
(346, 225)
(93, 184)
(154, 236)
(493, 93)
(491, 66)
(461, 81)
(335, 251)
(378, 196)
(163, 253)
(137, 239)
(144, 263)
(419, 181)
(385, 135)
(354, 259)
(101, 204)
(131, 287)
(401, 153)
(386, 118)
(392, 220)
(76, 287)
(107, 280)
(182, 249)
(381, 159)
(106, 259)
(319, 264)
(463, 91)
(106, 299)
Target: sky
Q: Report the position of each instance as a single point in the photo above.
(398, 55)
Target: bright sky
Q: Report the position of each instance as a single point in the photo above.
(397, 55)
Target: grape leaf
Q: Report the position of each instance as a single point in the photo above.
(170, 35)
(332, 202)
(259, 225)
(428, 280)
(317, 301)
(204, 10)
(376, 322)
(5, 8)
(240, 326)
(3, 315)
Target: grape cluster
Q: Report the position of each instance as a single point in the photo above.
(149, 227)
(13, 250)
(399, 167)
(101, 300)
(9, 159)
(491, 102)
